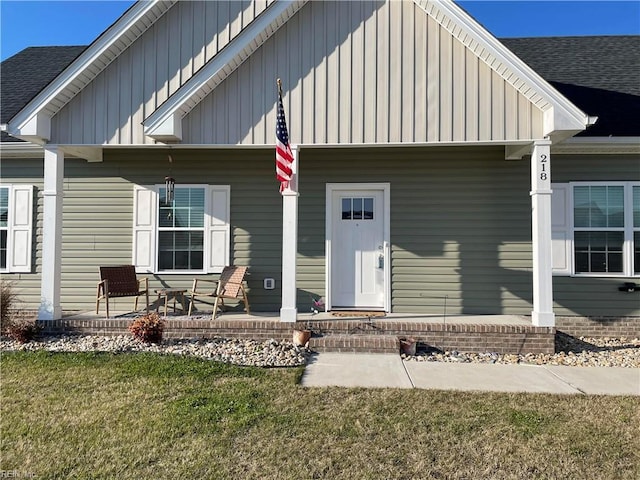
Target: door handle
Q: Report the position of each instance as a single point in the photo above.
(381, 261)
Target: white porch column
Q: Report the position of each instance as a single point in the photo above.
(542, 314)
(50, 308)
(289, 310)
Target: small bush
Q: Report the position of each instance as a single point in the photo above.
(8, 300)
(148, 328)
(22, 328)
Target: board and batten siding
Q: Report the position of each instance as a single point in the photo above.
(111, 108)
(364, 72)
(589, 296)
(24, 171)
(352, 72)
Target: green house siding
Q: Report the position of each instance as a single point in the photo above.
(460, 224)
(98, 217)
(30, 172)
(595, 296)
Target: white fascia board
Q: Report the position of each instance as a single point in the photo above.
(562, 115)
(169, 115)
(122, 33)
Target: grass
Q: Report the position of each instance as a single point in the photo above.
(148, 416)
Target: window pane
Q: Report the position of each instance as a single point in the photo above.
(636, 252)
(636, 207)
(186, 211)
(181, 250)
(598, 206)
(357, 208)
(346, 209)
(368, 208)
(598, 252)
(4, 206)
(181, 218)
(581, 206)
(3, 249)
(615, 206)
(165, 217)
(196, 203)
(181, 197)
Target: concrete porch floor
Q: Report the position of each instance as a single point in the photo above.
(515, 320)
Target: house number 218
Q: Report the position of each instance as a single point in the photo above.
(543, 164)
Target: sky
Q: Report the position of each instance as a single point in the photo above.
(26, 23)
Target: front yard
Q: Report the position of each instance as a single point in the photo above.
(100, 415)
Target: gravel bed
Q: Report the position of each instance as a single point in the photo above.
(570, 351)
(268, 353)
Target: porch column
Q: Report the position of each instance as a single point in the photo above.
(542, 314)
(50, 308)
(289, 310)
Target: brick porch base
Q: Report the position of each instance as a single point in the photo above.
(337, 334)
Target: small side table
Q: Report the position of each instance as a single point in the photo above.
(175, 294)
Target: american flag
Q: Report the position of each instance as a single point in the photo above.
(284, 156)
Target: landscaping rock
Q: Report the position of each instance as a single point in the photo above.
(571, 351)
(269, 353)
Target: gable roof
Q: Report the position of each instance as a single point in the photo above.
(34, 120)
(600, 74)
(595, 73)
(26, 73)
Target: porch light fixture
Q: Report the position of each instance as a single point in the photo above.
(170, 184)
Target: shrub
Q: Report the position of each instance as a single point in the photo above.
(22, 328)
(148, 328)
(8, 299)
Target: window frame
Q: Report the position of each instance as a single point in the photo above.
(20, 218)
(203, 229)
(6, 228)
(628, 229)
(146, 229)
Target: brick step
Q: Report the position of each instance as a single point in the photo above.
(355, 343)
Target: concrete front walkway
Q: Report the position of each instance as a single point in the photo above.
(389, 370)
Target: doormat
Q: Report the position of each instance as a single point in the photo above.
(348, 313)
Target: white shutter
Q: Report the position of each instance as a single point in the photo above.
(20, 228)
(144, 228)
(561, 238)
(218, 230)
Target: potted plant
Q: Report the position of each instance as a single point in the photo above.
(301, 336)
(408, 346)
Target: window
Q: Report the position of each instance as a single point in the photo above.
(4, 226)
(16, 217)
(596, 228)
(357, 208)
(181, 230)
(188, 234)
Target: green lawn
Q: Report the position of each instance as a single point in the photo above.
(146, 416)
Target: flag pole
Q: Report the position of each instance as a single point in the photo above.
(289, 309)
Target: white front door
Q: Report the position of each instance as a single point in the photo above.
(358, 249)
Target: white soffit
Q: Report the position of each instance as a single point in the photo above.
(560, 113)
(33, 121)
(165, 123)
